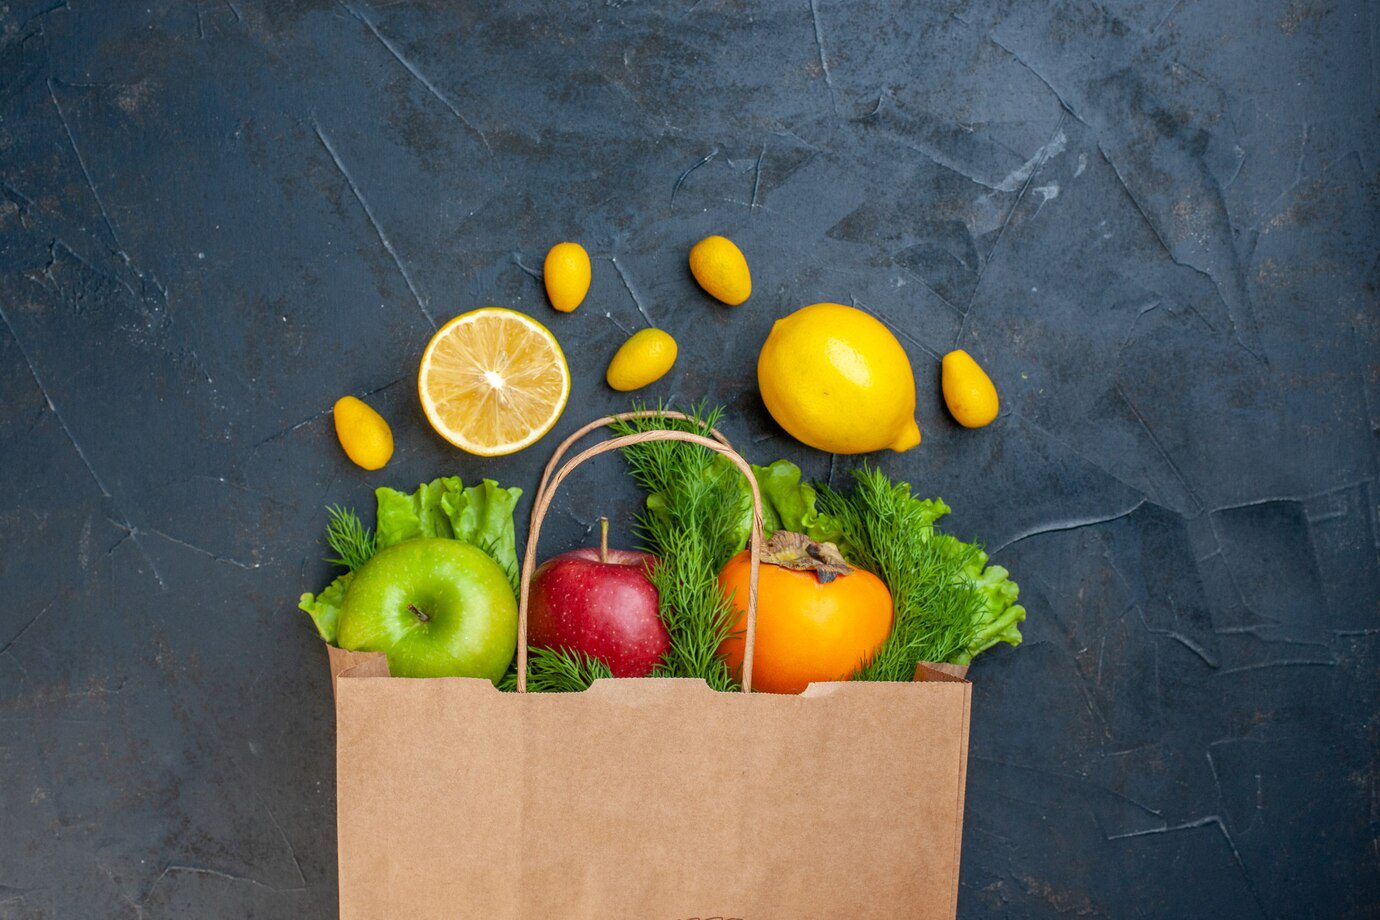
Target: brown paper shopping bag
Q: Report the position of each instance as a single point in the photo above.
(647, 798)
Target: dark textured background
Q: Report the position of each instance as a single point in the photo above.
(1155, 223)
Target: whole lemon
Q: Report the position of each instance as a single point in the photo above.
(366, 437)
(566, 273)
(644, 358)
(720, 268)
(835, 378)
(968, 391)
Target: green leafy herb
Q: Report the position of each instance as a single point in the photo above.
(948, 606)
(557, 670)
(787, 502)
(889, 533)
(354, 544)
(692, 523)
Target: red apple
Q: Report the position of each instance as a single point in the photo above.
(599, 602)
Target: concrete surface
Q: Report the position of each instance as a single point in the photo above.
(1155, 223)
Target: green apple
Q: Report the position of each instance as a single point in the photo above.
(437, 607)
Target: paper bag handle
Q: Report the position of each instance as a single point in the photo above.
(546, 491)
(609, 420)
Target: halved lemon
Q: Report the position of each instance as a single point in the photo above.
(493, 381)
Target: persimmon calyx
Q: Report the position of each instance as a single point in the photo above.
(799, 553)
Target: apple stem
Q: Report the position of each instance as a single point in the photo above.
(603, 539)
(421, 617)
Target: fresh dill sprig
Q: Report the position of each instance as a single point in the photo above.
(557, 670)
(694, 508)
(891, 533)
(354, 544)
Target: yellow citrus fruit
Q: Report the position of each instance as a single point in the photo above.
(968, 391)
(719, 267)
(835, 378)
(366, 437)
(493, 381)
(566, 273)
(644, 358)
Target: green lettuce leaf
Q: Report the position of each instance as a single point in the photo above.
(929, 511)
(1002, 616)
(998, 617)
(481, 515)
(324, 608)
(789, 504)
(406, 517)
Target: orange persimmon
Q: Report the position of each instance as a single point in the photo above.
(807, 630)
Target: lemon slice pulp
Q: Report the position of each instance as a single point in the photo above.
(493, 381)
